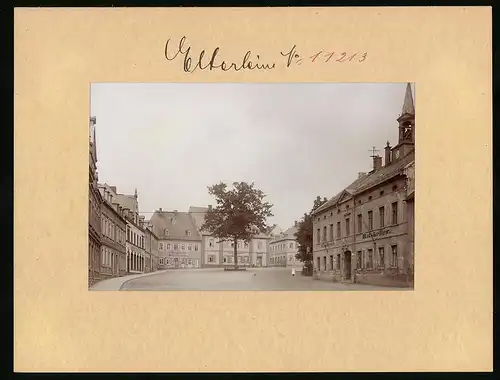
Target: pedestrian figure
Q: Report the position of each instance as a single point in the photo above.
(293, 271)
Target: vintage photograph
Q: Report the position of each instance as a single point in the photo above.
(251, 186)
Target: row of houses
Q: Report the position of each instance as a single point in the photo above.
(365, 233)
(120, 240)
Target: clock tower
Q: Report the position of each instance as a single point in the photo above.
(406, 121)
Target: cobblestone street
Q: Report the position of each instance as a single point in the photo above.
(251, 279)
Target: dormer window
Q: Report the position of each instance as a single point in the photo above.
(188, 233)
(167, 232)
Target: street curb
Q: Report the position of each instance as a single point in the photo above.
(118, 287)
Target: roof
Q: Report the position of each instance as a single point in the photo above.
(285, 235)
(370, 180)
(198, 215)
(177, 223)
(408, 106)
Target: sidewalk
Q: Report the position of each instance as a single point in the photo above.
(117, 282)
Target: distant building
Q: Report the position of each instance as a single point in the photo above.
(94, 241)
(179, 243)
(283, 249)
(113, 238)
(364, 234)
(216, 254)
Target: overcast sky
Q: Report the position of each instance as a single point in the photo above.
(296, 141)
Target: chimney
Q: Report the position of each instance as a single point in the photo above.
(209, 207)
(387, 154)
(361, 174)
(377, 162)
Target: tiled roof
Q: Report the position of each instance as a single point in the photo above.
(287, 234)
(177, 223)
(372, 179)
(198, 215)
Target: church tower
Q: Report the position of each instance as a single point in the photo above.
(406, 125)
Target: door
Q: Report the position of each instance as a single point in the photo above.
(176, 262)
(347, 265)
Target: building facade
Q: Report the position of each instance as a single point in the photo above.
(94, 240)
(364, 234)
(218, 254)
(179, 243)
(113, 236)
(283, 249)
(151, 247)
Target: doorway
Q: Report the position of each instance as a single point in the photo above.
(347, 265)
(176, 262)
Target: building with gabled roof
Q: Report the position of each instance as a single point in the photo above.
(283, 249)
(179, 242)
(364, 233)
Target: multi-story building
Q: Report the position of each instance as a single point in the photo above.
(113, 237)
(364, 234)
(151, 247)
(217, 254)
(135, 240)
(94, 242)
(283, 249)
(179, 243)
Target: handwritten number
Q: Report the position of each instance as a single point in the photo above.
(352, 56)
(315, 56)
(363, 57)
(329, 56)
(343, 55)
(299, 61)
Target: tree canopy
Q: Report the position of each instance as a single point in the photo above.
(304, 235)
(240, 214)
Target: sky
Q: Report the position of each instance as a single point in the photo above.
(294, 140)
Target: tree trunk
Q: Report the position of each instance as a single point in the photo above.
(235, 254)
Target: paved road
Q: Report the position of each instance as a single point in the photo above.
(251, 279)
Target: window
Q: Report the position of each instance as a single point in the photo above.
(381, 211)
(188, 233)
(347, 207)
(230, 259)
(128, 234)
(381, 192)
(225, 259)
(318, 263)
(175, 247)
(183, 247)
(381, 258)
(324, 233)
(395, 213)
(259, 245)
(161, 246)
(331, 262)
(324, 262)
(331, 232)
(347, 227)
(338, 261)
(290, 245)
(370, 259)
(395, 187)
(359, 263)
(196, 247)
(360, 223)
(190, 247)
(161, 261)
(211, 243)
(168, 246)
(394, 261)
(370, 220)
(370, 198)
(289, 258)
(318, 237)
(190, 262)
(167, 232)
(338, 230)
(211, 258)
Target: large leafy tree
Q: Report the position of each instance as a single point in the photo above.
(304, 236)
(240, 214)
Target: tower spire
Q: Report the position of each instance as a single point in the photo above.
(408, 106)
